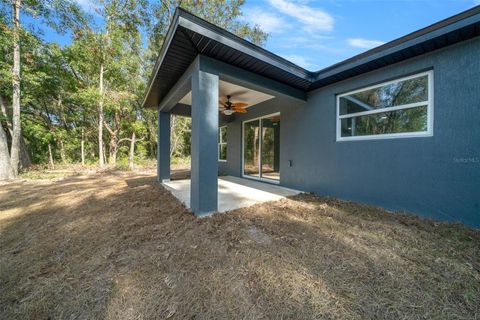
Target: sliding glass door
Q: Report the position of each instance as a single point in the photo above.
(261, 148)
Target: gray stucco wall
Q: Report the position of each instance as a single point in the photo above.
(436, 177)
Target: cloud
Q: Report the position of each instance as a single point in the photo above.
(268, 22)
(83, 3)
(364, 43)
(313, 19)
(301, 61)
(86, 5)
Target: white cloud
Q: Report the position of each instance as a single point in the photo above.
(313, 19)
(268, 22)
(301, 61)
(364, 43)
(86, 5)
(83, 3)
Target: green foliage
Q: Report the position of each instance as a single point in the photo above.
(224, 13)
(60, 85)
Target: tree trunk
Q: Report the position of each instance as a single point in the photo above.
(101, 161)
(50, 157)
(6, 171)
(132, 151)
(25, 161)
(112, 157)
(104, 153)
(83, 147)
(62, 151)
(15, 149)
(113, 150)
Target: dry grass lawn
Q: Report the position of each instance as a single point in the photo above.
(118, 246)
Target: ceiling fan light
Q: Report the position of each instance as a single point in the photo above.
(227, 112)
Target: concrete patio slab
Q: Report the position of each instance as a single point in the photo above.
(233, 192)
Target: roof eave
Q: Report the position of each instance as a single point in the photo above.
(311, 80)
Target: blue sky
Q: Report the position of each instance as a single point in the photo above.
(318, 33)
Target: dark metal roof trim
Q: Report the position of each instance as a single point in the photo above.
(189, 35)
(419, 42)
(211, 31)
(416, 34)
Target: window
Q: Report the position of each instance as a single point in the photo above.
(395, 109)
(222, 143)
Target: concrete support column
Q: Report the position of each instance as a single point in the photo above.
(163, 147)
(204, 150)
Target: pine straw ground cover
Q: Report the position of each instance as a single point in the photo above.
(118, 246)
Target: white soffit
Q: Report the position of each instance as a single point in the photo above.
(238, 93)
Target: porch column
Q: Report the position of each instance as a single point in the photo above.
(163, 147)
(204, 149)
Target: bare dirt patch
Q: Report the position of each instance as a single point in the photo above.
(118, 246)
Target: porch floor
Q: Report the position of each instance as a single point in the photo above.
(233, 192)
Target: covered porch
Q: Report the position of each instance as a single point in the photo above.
(190, 77)
(197, 95)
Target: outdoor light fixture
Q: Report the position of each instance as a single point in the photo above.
(228, 107)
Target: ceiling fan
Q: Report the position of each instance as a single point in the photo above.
(228, 107)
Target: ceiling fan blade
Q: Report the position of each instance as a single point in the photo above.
(239, 104)
(240, 110)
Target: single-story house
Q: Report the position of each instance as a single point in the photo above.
(397, 126)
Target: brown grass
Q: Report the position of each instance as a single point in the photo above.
(118, 246)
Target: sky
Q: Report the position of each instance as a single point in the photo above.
(315, 34)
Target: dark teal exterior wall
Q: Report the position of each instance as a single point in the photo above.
(436, 177)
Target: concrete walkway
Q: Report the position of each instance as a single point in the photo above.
(233, 192)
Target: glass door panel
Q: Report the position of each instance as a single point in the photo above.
(261, 148)
(251, 148)
(270, 148)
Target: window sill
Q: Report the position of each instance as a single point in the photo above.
(386, 136)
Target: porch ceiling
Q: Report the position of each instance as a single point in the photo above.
(238, 94)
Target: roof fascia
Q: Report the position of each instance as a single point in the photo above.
(224, 37)
(166, 44)
(325, 73)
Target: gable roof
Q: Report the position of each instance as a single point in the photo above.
(190, 35)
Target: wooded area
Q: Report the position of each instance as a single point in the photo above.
(81, 102)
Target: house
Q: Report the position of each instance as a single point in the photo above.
(397, 126)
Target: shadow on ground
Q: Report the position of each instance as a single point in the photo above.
(119, 246)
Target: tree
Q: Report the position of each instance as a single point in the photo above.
(70, 95)
(58, 14)
(6, 171)
(122, 21)
(15, 150)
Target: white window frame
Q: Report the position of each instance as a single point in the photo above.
(220, 143)
(429, 102)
